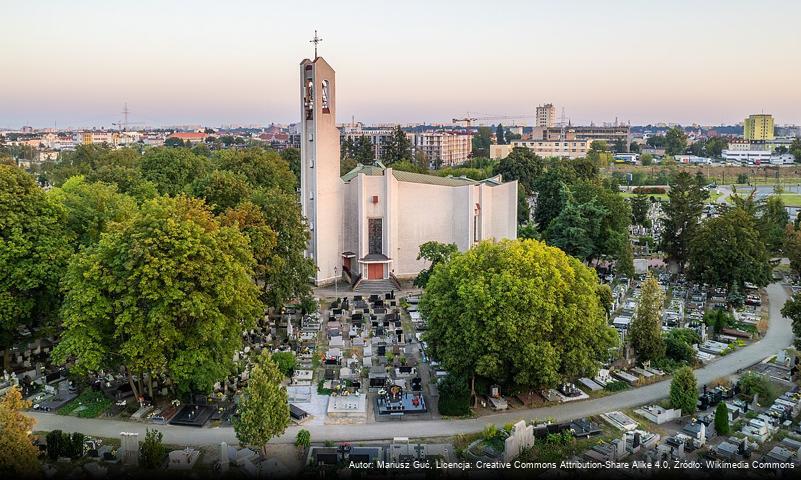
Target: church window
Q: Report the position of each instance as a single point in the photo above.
(375, 235)
(325, 95)
(308, 101)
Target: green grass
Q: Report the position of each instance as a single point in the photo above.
(791, 199)
(89, 404)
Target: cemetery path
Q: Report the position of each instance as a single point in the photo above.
(779, 336)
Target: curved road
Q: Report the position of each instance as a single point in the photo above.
(779, 335)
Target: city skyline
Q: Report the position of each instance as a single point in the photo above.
(77, 64)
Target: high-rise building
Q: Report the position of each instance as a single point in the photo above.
(546, 115)
(758, 127)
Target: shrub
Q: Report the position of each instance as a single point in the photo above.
(285, 361)
(616, 386)
(490, 432)
(74, 443)
(454, 396)
(753, 383)
(152, 450)
(55, 446)
(718, 319)
(649, 190)
(722, 419)
(303, 438)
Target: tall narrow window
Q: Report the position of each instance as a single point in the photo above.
(308, 101)
(375, 235)
(325, 96)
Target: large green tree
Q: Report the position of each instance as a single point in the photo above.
(289, 271)
(640, 205)
(398, 148)
(481, 142)
(91, 207)
(792, 310)
(434, 252)
(262, 168)
(171, 169)
(517, 312)
(727, 251)
(675, 141)
(221, 189)
(18, 455)
(645, 333)
(682, 217)
(523, 165)
(34, 251)
(263, 411)
(165, 294)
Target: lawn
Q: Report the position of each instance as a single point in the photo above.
(791, 199)
(89, 404)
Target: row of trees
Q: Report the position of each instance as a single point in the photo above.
(154, 263)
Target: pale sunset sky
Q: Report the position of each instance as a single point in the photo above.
(75, 63)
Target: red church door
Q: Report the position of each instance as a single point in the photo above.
(375, 271)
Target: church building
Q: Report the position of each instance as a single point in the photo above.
(369, 224)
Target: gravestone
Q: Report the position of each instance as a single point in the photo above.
(129, 448)
(520, 438)
(224, 460)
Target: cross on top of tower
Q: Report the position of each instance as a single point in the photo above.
(316, 40)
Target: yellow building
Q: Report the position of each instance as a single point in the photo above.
(758, 127)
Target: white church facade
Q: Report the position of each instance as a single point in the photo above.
(371, 222)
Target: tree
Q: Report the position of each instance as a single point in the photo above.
(285, 361)
(363, 150)
(221, 189)
(523, 165)
(646, 159)
(624, 264)
(727, 251)
(640, 205)
(18, 455)
(287, 275)
(792, 246)
(346, 165)
(170, 169)
(261, 168)
(599, 154)
(523, 207)
(91, 208)
(500, 135)
(434, 252)
(551, 191)
(684, 391)
(722, 419)
(481, 143)
(398, 148)
(634, 147)
(675, 141)
(645, 333)
(303, 438)
(168, 293)
(34, 251)
(715, 145)
(454, 396)
(683, 214)
(263, 411)
(508, 312)
(792, 310)
(576, 228)
(679, 347)
(292, 157)
(152, 451)
(772, 223)
(619, 146)
(795, 149)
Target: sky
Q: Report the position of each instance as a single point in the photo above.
(77, 62)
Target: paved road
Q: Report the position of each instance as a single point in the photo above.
(779, 336)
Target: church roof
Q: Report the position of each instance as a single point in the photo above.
(401, 176)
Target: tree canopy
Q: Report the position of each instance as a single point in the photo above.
(434, 252)
(517, 312)
(682, 217)
(34, 251)
(684, 390)
(18, 455)
(167, 293)
(523, 165)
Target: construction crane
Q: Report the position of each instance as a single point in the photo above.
(468, 120)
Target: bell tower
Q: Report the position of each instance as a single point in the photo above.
(321, 187)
